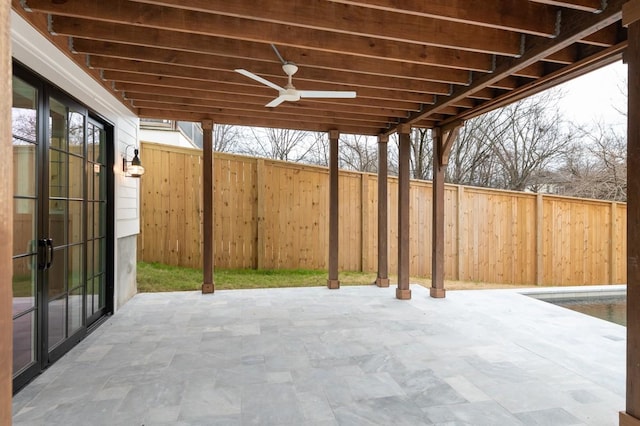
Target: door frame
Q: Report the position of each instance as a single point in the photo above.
(44, 358)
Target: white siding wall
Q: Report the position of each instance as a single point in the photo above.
(37, 53)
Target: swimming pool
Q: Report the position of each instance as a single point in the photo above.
(613, 308)
(610, 306)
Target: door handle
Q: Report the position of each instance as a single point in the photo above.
(42, 245)
(50, 253)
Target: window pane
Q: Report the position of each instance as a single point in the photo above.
(76, 177)
(57, 321)
(100, 289)
(58, 125)
(56, 284)
(76, 133)
(24, 168)
(90, 309)
(23, 347)
(75, 222)
(24, 227)
(24, 284)
(75, 310)
(101, 184)
(24, 111)
(101, 218)
(58, 170)
(90, 234)
(74, 274)
(58, 222)
(97, 256)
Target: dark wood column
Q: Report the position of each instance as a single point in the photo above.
(207, 208)
(383, 251)
(403, 291)
(631, 18)
(442, 142)
(333, 282)
(6, 218)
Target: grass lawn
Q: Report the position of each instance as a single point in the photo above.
(156, 277)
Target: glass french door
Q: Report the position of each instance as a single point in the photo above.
(60, 224)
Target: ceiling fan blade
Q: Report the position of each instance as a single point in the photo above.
(341, 94)
(259, 79)
(277, 101)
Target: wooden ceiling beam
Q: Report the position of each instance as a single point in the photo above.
(305, 78)
(388, 107)
(272, 115)
(507, 83)
(388, 69)
(304, 104)
(285, 109)
(579, 25)
(584, 66)
(536, 70)
(410, 99)
(159, 37)
(236, 120)
(606, 37)
(565, 56)
(593, 6)
(325, 18)
(513, 15)
(465, 103)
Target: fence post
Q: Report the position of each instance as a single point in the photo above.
(539, 239)
(459, 219)
(260, 244)
(364, 221)
(613, 243)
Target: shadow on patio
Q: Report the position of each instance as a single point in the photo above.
(318, 357)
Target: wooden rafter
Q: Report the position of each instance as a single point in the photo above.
(419, 63)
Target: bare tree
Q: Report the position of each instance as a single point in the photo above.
(225, 138)
(421, 160)
(595, 166)
(279, 144)
(524, 139)
(470, 160)
(359, 153)
(318, 153)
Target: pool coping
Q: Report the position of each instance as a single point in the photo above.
(556, 293)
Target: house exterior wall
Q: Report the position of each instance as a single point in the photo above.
(34, 51)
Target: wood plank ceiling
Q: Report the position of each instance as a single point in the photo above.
(425, 63)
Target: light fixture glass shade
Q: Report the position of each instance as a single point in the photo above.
(134, 168)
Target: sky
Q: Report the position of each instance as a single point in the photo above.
(596, 95)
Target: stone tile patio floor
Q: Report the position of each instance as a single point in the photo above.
(354, 356)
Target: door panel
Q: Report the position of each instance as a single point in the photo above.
(24, 119)
(60, 224)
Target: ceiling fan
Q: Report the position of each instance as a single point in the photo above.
(290, 93)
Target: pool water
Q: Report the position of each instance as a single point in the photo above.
(612, 308)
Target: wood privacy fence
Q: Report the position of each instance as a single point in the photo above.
(274, 215)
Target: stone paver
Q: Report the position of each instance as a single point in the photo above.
(354, 356)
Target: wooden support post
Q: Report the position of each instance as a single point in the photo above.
(461, 251)
(6, 218)
(539, 239)
(332, 281)
(383, 247)
(403, 291)
(260, 223)
(631, 18)
(613, 243)
(442, 142)
(207, 210)
(364, 221)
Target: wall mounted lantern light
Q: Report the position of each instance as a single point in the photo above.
(134, 167)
